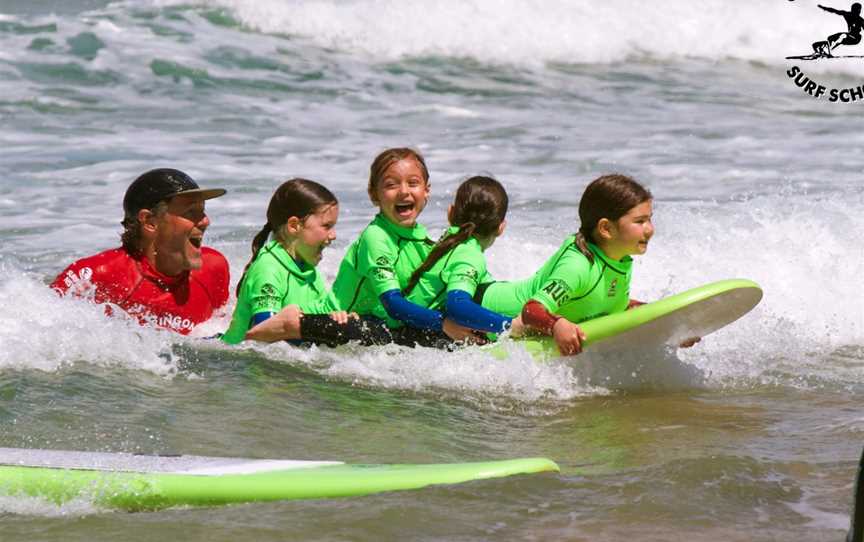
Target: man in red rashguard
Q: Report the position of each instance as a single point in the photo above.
(161, 275)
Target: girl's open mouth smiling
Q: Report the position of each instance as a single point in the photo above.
(403, 208)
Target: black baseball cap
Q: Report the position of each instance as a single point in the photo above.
(160, 184)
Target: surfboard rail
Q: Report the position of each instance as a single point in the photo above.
(133, 490)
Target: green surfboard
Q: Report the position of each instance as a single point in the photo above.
(668, 321)
(136, 482)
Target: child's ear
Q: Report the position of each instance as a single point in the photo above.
(292, 226)
(605, 229)
(450, 214)
(501, 227)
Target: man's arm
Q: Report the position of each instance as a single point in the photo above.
(832, 10)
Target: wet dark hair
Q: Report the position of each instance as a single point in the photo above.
(131, 236)
(386, 159)
(295, 197)
(610, 197)
(478, 210)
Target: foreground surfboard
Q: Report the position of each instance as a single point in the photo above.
(669, 321)
(136, 482)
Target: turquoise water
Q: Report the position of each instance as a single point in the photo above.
(752, 435)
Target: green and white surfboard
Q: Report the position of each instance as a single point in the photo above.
(668, 321)
(137, 482)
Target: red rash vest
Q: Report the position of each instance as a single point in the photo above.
(177, 303)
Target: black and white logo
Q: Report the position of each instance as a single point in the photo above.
(839, 45)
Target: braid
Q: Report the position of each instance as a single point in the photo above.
(445, 245)
(478, 209)
(581, 243)
(257, 242)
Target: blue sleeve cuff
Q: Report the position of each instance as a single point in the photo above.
(258, 318)
(465, 312)
(412, 314)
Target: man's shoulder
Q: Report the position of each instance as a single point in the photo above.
(213, 257)
(106, 257)
(214, 275)
(99, 264)
(113, 268)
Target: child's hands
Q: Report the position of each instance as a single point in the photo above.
(517, 328)
(456, 332)
(342, 317)
(568, 336)
(687, 343)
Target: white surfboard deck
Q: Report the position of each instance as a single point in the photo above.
(153, 464)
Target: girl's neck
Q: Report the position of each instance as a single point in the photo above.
(290, 246)
(611, 251)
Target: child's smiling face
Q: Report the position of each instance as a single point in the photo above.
(316, 232)
(402, 192)
(631, 232)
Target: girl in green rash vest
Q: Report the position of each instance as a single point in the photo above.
(448, 278)
(302, 217)
(379, 263)
(589, 275)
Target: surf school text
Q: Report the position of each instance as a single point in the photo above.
(818, 91)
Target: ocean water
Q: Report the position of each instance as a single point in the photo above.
(752, 435)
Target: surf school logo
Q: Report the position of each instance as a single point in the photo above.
(613, 288)
(840, 45)
(468, 275)
(268, 299)
(384, 269)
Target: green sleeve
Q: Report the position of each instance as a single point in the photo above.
(265, 287)
(376, 260)
(325, 304)
(566, 280)
(466, 267)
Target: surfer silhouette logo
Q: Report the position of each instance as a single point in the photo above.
(852, 35)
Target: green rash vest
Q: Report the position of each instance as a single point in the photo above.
(273, 281)
(461, 268)
(569, 285)
(381, 259)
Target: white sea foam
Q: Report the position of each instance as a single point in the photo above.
(39, 330)
(528, 33)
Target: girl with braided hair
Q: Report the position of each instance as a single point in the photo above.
(448, 278)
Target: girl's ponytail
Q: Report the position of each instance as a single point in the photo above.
(257, 242)
(443, 246)
(581, 243)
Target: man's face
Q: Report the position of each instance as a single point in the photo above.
(179, 234)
